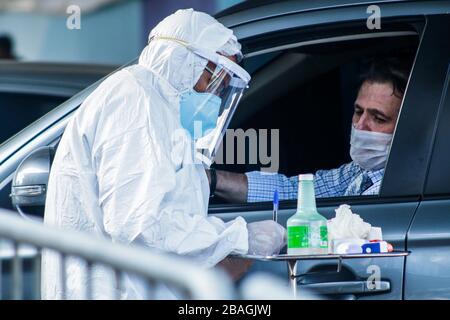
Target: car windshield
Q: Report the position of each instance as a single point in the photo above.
(20, 109)
(298, 113)
(41, 111)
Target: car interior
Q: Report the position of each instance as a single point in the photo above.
(307, 93)
(19, 110)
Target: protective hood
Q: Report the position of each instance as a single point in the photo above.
(177, 64)
(178, 51)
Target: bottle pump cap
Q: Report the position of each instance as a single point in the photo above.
(307, 177)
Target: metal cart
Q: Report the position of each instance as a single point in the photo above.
(293, 260)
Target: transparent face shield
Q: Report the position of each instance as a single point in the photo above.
(224, 90)
(229, 88)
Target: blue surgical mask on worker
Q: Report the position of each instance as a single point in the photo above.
(201, 108)
(369, 149)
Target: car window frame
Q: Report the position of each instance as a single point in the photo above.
(437, 186)
(420, 25)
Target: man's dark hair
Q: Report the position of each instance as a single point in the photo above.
(392, 70)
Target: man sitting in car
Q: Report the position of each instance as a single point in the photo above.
(375, 115)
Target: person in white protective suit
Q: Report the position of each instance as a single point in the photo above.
(125, 167)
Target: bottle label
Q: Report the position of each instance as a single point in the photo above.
(298, 236)
(323, 237)
(319, 235)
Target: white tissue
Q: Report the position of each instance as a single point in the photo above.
(346, 225)
(375, 234)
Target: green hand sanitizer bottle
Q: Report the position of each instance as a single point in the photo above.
(307, 229)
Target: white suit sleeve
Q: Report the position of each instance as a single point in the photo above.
(135, 176)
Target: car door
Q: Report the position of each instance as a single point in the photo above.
(427, 273)
(392, 210)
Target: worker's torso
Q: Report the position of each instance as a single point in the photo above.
(73, 195)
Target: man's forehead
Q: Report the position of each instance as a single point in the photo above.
(377, 88)
(377, 95)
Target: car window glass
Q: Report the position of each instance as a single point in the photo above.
(19, 110)
(296, 117)
(254, 64)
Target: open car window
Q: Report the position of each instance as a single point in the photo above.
(21, 109)
(296, 117)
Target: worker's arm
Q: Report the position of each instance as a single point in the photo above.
(235, 267)
(230, 186)
(255, 186)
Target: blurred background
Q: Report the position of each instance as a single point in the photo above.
(112, 32)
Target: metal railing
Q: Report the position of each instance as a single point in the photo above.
(152, 267)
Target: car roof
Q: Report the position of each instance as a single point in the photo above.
(306, 4)
(251, 10)
(59, 79)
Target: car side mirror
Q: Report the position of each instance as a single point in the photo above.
(29, 185)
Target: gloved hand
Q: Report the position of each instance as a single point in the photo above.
(265, 237)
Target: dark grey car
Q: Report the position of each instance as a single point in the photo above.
(304, 57)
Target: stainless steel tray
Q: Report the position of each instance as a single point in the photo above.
(287, 257)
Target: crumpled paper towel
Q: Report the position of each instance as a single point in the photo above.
(346, 224)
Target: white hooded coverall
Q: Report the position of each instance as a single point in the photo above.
(118, 173)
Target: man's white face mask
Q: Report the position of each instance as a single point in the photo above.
(369, 149)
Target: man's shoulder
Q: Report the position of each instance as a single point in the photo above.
(120, 82)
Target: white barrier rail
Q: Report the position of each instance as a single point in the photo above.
(197, 283)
